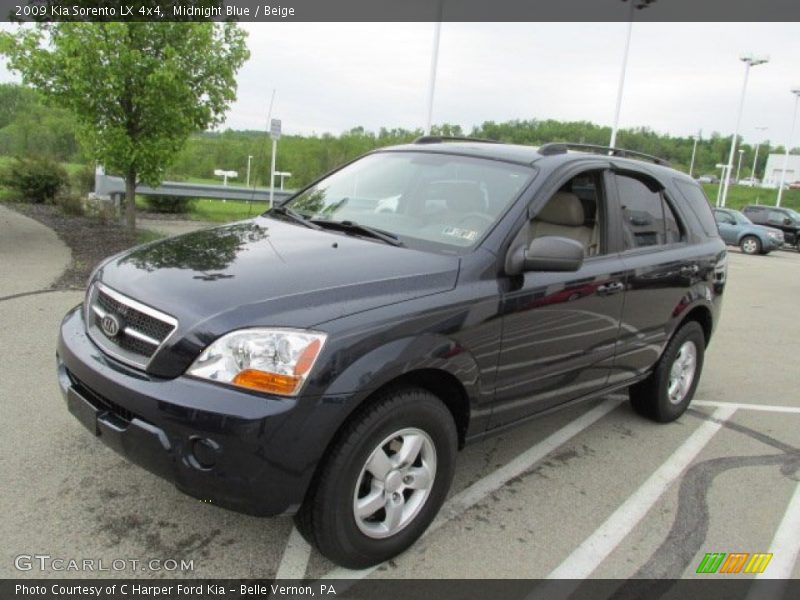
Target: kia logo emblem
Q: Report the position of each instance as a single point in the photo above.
(109, 325)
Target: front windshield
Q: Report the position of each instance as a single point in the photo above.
(741, 218)
(795, 215)
(429, 200)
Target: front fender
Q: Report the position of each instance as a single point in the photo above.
(393, 359)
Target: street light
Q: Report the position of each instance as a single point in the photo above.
(739, 166)
(755, 158)
(796, 93)
(724, 168)
(634, 5)
(249, 158)
(282, 174)
(437, 31)
(694, 152)
(225, 175)
(749, 61)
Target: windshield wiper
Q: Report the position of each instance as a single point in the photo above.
(294, 216)
(357, 228)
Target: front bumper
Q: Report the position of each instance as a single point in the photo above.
(242, 451)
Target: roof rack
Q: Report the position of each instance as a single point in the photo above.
(563, 147)
(438, 139)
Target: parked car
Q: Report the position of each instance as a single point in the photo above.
(785, 219)
(749, 182)
(795, 185)
(708, 179)
(736, 229)
(329, 357)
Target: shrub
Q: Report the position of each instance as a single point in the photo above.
(82, 180)
(70, 204)
(102, 210)
(168, 204)
(36, 180)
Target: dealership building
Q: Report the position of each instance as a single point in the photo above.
(772, 173)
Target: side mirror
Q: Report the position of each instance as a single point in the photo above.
(788, 221)
(548, 253)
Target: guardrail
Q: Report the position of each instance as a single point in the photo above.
(114, 188)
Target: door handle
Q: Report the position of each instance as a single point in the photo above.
(610, 288)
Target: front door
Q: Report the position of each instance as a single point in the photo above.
(560, 329)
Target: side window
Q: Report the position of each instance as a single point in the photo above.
(724, 218)
(647, 218)
(673, 235)
(775, 216)
(575, 211)
(698, 203)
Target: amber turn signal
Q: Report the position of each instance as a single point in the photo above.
(267, 382)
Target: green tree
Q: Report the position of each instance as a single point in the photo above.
(138, 90)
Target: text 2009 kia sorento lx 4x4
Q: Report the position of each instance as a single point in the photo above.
(329, 357)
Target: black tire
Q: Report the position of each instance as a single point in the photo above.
(327, 518)
(650, 397)
(750, 244)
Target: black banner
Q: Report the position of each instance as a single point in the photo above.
(401, 10)
(706, 587)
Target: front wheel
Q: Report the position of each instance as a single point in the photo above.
(384, 480)
(750, 245)
(666, 393)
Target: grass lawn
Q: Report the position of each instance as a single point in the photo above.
(207, 209)
(740, 196)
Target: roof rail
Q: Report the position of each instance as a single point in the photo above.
(438, 139)
(563, 147)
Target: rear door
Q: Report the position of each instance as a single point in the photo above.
(659, 270)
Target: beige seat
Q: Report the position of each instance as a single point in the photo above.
(563, 216)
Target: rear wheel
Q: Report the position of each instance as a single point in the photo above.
(666, 393)
(750, 245)
(383, 481)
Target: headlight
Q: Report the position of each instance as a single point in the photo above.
(776, 235)
(268, 360)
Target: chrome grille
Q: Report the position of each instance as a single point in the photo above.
(141, 329)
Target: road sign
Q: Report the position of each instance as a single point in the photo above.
(275, 129)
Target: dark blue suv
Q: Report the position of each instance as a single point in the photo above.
(329, 357)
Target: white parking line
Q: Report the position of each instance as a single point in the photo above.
(294, 561)
(759, 407)
(785, 545)
(497, 479)
(597, 547)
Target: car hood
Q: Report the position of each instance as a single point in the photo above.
(766, 229)
(266, 272)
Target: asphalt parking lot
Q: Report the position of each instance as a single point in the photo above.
(592, 491)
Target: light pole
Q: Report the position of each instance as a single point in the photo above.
(796, 93)
(694, 152)
(739, 166)
(638, 5)
(755, 159)
(749, 61)
(724, 168)
(249, 158)
(437, 30)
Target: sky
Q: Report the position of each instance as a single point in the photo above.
(681, 77)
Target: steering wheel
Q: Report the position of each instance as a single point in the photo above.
(475, 217)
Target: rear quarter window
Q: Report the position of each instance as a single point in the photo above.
(698, 203)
